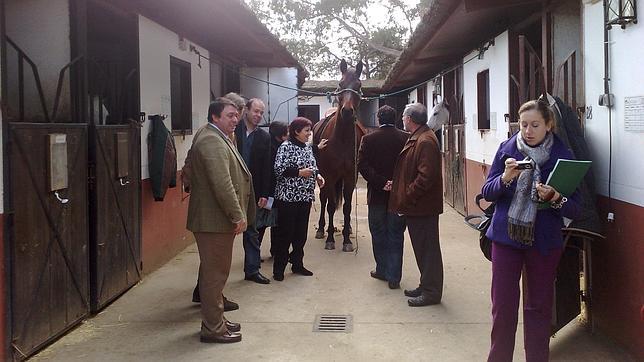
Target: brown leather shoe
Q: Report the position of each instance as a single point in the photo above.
(227, 337)
(233, 327)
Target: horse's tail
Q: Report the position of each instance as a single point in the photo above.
(338, 194)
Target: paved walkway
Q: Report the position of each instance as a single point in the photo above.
(156, 321)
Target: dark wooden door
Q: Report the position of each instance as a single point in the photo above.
(115, 227)
(458, 167)
(49, 251)
(454, 143)
(310, 111)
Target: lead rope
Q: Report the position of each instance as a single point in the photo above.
(355, 188)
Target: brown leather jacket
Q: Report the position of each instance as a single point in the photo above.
(418, 182)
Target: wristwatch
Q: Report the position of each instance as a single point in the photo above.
(558, 203)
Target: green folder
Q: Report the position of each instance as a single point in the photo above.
(566, 177)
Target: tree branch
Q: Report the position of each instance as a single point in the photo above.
(356, 33)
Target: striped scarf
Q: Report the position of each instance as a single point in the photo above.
(523, 209)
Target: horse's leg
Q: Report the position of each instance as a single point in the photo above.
(319, 234)
(349, 186)
(330, 209)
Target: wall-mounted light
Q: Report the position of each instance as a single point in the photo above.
(483, 48)
(196, 51)
(620, 12)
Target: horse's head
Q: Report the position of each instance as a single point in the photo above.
(439, 116)
(349, 90)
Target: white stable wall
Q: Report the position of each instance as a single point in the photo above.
(156, 45)
(481, 146)
(413, 96)
(41, 29)
(566, 22)
(216, 81)
(322, 101)
(281, 103)
(626, 57)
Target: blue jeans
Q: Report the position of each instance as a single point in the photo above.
(387, 237)
(251, 251)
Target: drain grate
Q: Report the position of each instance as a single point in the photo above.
(333, 323)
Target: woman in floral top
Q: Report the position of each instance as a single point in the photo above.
(297, 173)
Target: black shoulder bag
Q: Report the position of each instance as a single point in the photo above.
(482, 223)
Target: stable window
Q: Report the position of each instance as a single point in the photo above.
(483, 99)
(180, 95)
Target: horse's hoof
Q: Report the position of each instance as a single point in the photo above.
(348, 247)
(319, 234)
(329, 245)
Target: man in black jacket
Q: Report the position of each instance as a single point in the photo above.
(376, 159)
(254, 145)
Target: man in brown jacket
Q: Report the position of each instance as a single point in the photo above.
(417, 193)
(221, 203)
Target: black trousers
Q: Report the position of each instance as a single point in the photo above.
(291, 231)
(423, 232)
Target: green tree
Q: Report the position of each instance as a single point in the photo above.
(321, 32)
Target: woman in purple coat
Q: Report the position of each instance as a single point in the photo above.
(525, 236)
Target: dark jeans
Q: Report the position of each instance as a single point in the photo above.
(261, 232)
(423, 232)
(539, 273)
(292, 229)
(387, 236)
(251, 251)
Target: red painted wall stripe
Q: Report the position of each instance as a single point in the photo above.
(163, 226)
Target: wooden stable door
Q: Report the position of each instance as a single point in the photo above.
(454, 143)
(49, 251)
(115, 227)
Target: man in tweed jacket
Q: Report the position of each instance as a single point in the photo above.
(221, 203)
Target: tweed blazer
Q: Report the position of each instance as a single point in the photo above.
(222, 186)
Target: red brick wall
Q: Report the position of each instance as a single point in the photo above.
(163, 229)
(618, 276)
(476, 174)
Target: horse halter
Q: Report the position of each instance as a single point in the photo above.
(338, 92)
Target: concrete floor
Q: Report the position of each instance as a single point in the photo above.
(156, 320)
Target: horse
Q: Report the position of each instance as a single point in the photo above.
(439, 117)
(337, 161)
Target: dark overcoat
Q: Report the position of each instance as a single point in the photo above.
(376, 159)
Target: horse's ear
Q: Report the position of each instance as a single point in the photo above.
(343, 66)
(359, 69)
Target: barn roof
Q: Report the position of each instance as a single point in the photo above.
(228, 28)
(449, 30)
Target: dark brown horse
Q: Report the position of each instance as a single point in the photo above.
(337, 161)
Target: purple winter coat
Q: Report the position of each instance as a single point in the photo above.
(549, 221)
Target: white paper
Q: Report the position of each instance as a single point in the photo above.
(269, 203)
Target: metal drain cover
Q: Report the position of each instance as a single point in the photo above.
(333, 323)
